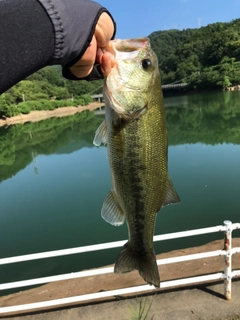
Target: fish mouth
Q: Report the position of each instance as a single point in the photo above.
(126, 49)
(130, 45)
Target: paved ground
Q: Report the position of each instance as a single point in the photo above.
(202, 303)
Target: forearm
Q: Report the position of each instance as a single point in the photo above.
(24, 47)
(36, 33)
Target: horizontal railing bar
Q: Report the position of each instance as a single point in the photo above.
(179, 282)
(235, 273)
(190, 257)
(235, 250)
(189, 233)
(110, 245)
(105, 294)
(63, 252)
(66, 276)
(64, 301)
(195, 232)
(88, 273)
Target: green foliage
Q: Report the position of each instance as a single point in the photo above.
(50, 74)
(209, 57)
(3, 104)
(39, 90)
(37, 105)
(77, 88)
(12, 110)
(6, 109)
(141, 311)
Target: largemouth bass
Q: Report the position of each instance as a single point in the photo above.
(134, 130)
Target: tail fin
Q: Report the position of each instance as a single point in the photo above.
(146, 265)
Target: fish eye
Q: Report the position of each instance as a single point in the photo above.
(146, 64)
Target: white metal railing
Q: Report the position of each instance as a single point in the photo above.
(226, 275)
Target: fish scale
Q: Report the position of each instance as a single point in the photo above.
(135, 132)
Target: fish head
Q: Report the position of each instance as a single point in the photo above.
(129, 86)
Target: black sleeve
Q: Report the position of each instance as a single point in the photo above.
(37, 33)
(26, 40)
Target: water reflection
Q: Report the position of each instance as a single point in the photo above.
(20, 144)
(53, 182)
(208, 118)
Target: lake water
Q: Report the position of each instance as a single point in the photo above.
(53, 182)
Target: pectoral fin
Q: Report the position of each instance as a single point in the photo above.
(111, 211)
(171, 194)
(100, 134)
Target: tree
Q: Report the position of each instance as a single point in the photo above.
(213, 51)
(3, 104)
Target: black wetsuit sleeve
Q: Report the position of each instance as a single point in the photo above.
(37, 33)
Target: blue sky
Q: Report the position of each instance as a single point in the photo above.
(142, 17)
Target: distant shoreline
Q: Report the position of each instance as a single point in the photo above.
(35, 116)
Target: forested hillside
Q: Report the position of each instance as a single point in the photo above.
(206, 58)
(49, 83)
(47, 90)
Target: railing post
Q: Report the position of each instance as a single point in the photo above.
(228, 260)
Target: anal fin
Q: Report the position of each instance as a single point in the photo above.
(171, 194)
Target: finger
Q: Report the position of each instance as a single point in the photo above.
(104, 30)
(107, 63)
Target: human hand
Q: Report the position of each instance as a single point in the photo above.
(95, 52)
